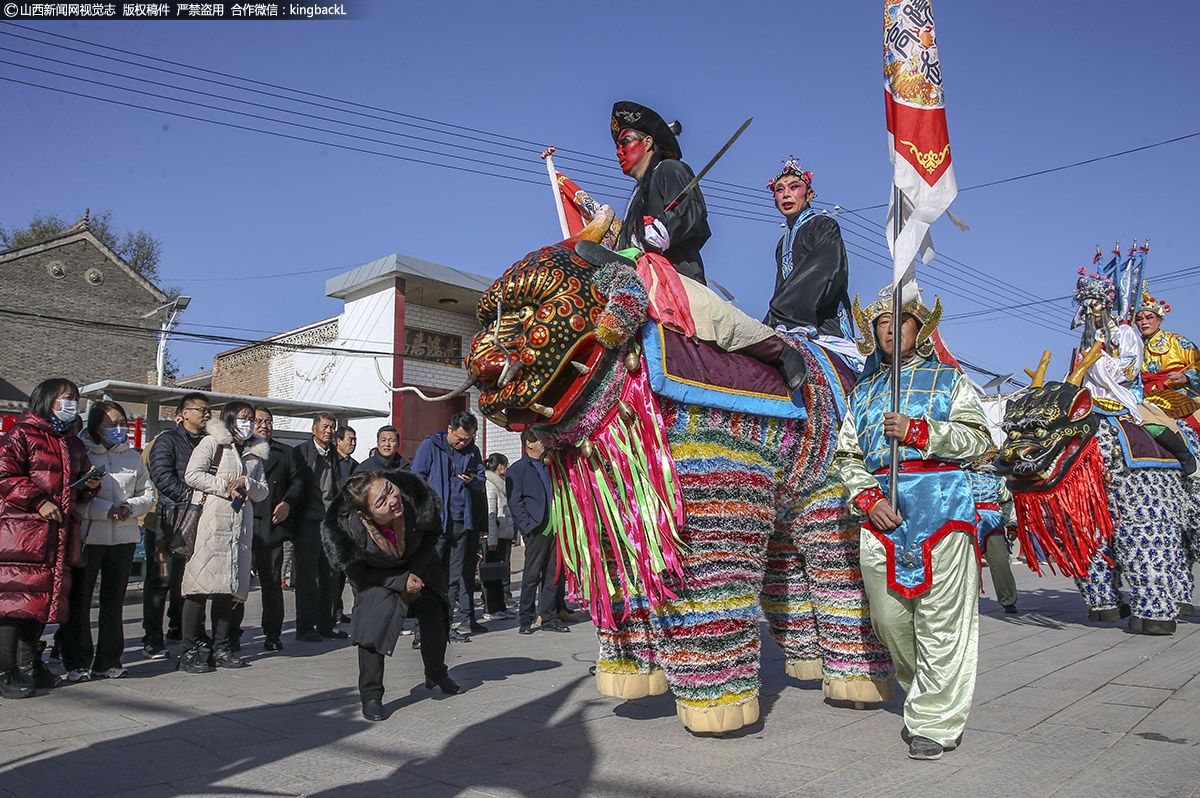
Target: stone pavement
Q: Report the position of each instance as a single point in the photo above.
(1062, 709)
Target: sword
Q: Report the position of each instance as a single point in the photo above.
(695, 181)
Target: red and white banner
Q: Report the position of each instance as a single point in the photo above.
(918, 140)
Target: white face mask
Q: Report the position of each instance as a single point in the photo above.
(67, 409)
(244, 428)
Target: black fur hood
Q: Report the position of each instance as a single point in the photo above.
(345, 537)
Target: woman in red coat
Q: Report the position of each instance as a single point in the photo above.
(39, 529)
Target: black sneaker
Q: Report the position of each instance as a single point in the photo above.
(526, 630)
(1010, 609)
(335, 634)
(155, 651)
(274, 644)
(226, 658)
(924, 748)
(195, 660)
(476, 627)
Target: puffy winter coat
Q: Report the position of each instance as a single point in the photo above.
(38, 464)
(500, 523)
(126, 481)
(220, 561)
(379, 578)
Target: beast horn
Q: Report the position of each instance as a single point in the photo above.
(1089, 358)
(1039, 377)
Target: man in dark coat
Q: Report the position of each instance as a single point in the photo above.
(452, 464)
(649, 152)
(529, 492)
(315, 581)
(167, 462)
(273, 523)
(386, 456)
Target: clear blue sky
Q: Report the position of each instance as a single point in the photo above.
(1029, 86)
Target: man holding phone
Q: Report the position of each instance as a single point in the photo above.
(453, 466)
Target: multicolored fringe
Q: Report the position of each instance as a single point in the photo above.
(618, 490)
(1070, 521)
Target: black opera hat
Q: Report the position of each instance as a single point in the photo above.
(627, 115)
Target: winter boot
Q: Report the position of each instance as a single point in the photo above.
(12, 687)
(32, 669)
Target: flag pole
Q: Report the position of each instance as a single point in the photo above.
(897, 324)
(548, 156)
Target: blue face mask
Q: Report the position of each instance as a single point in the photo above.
(114, 435)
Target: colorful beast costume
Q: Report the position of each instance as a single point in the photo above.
(679, 521)
(922, 578)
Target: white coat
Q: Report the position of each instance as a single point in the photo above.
(126, 481)
(220, 561)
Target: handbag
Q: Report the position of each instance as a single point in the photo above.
(187, 517)
(493, 571)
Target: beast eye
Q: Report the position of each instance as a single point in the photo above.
(525, 313)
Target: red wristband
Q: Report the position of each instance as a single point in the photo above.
(868, 499)
(917, 434)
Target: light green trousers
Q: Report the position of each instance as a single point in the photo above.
(933, 638)
(999, 563)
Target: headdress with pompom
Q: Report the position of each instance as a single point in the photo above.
(791, 166)
(1156, 306)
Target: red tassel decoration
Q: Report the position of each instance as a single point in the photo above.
(1070, 521)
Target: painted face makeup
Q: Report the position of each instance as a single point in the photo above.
(631, 150)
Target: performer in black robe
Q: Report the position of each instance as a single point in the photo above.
(649, 152)
(812, 275)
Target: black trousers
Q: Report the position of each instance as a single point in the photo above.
(160, 593)
(314, 580)
(193, 619)
(458, 549)
(431, 615)
(538, 587)
(19, 638)
(268, 564)
(110, 565)
(494, 591)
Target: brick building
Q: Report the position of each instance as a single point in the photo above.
(422, 312)
(59, 298)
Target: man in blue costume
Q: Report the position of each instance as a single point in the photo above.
(919, 561)
(997, 525)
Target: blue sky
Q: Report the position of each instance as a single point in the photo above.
(1029, 86)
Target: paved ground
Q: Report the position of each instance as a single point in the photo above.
(1062, 709)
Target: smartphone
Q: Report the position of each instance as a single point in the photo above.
(95, 473)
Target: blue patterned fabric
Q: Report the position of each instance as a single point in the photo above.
(932, 503)
(925, 391)
(1153, 513)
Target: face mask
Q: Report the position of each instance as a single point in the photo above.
(67, 410)
(114, 435)
(244, 428)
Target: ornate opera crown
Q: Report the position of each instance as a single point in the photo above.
(926, 316)
(1156, 306)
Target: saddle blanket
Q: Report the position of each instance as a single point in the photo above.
(687, 370)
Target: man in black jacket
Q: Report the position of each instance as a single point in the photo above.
(316, 584)
(167, 462)
(273, 523)
(649, 152)
(529, 492)
(386, 456)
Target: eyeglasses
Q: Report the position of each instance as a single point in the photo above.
(204, 411)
